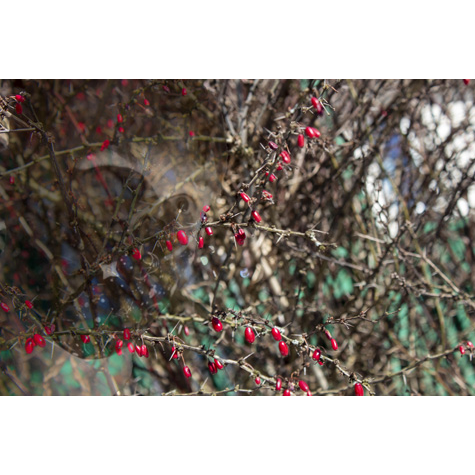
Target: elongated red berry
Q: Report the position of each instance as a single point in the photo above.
(316, 354)
(29, 346)
(256, 216)
(206, 208)
(186, 330)
(287, 392)
(131, 347)
(244, 197)
(212, 368)
(187, 372)
(146, 102)
(240, 237)
(5, 307)
(316, 132)
(320, 362)
(119, 344)
(466, 82)
(300, 140)
(183, 91)
(182, 238)
(126, 334)
(278, 384)
(209, 231)
(145, 351)
(169, 245)
(85, 338)
(136, 254)
(317, 105)
(49, 329)
(334, 344)
(469, 344)
(105, 145)
(174, 353)
(328, 334)
(303, 386)
(285, 156)
(218, 364)
(20, 98)
(273, 145)
(39, 340)
(279, 167)
(309, 132)
(359, 391)
(120, 119)
(272, 178)
(258, 381)
(201, 242)
(217, 325)
(121, 130)
(249, 335)
(138, 350)
(28, 304)
(276, 334)
(18, 108)
(283, 348)
(462, 350)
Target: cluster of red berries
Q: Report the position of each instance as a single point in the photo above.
(215, 365)
(140, 350)
(468, 344)
(18, 106)
(32, 342)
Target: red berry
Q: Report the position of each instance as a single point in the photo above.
(310, 132)
(303, 386)
(285, 156)
(186, 330)
(209, 231)
(136, 254)
(201, 243)
(39, 340)
(249, 335)
(174, 353)
(187, 372)
(287, 392)
(28, 304)
(218, 364)
(146, 102)
(145, 351)
(11, 180)
(278, 384)
(283, 348)
(245, 197)
(131, 347)
(317, 105)
(85, 338)
(169, 245)
(258, 381)
(105, 145)
(273, 145)
(49, 329)
(20, 98)
(279, 167)
(182, 238)
(217, 325)
(469, 344)
(272, 178)
(316, 354)
(466, 82)
(206, 208)
(121, 130)
(334, 344)
(18, 108)
(119, 344)
(300, 140)
(191, 133)
(5, 307)
(126, 334)
(359, 391)
(212, 368)
(462, 350)
(120, 119)
(256, 216)
(276, 334)
(183, 91)
(240, 237)
(316, 132)
(320, 362)
(29, 346)
(328, 334)
(138, 350)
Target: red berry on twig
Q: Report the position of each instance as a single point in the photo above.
(303, 386)
(187, 372)
(169, 245)
(359, 391)
(5, 307)
(257, 380)
(278, 384)
(276, 334)
(256, 216)
(334, 344)
(285, 156)
(126, 334)
(136, 254)
(18, 108)
(209, 231)
(462, 350)
(201, 243)
(218, 364)
(249, 335)
(287, 392)
(283, 348)
(85, 338)
(206, 208)
(28, 304)
(273, 145)
(316, 354)
(217, 325)
(131, 347)
(245, 197)
(300, 140)
(182, 238)
(120, 119)
(39, 340)
(212, 368)
(29, 346)
(183, 91)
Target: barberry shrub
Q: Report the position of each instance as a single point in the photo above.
(281, 237)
